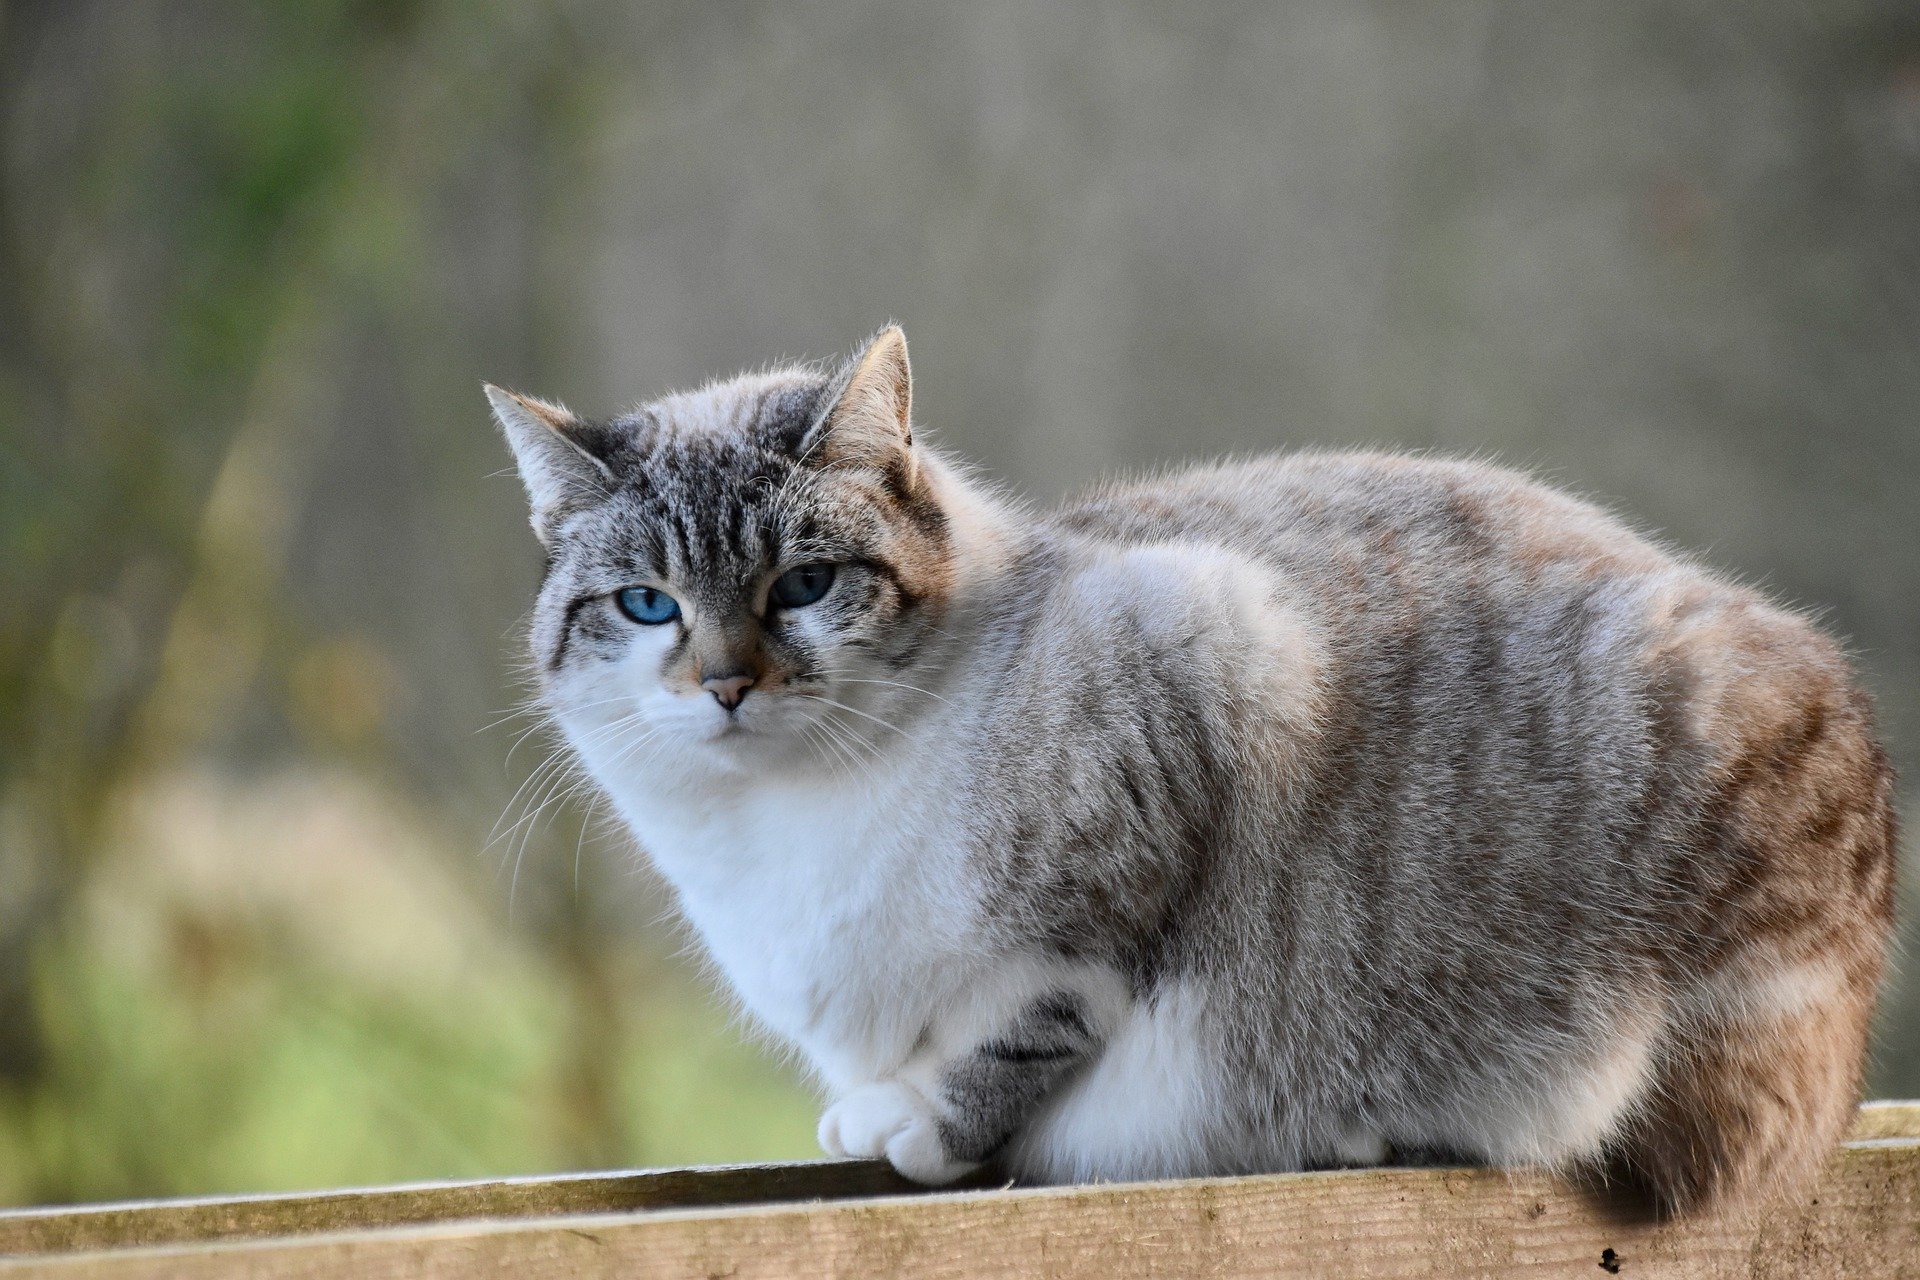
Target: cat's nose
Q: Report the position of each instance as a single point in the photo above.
(730, 688)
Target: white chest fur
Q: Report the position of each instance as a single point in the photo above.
(835, 912)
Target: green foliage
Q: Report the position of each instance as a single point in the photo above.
(207, 1031)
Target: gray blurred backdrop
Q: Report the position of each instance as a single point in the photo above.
(260, 564)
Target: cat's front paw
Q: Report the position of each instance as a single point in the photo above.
(890, 1121)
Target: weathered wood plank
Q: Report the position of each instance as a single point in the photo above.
(1862, 1222)
(86, 1227)
(1887, 1119)
(100, 1227)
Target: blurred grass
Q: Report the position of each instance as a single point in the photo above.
(230, 1010)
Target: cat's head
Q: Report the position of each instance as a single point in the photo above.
(739, 573)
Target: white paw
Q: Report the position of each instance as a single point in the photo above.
(890, 1120)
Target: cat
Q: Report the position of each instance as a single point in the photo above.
(1272, 815)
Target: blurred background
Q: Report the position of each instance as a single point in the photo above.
(285, 899)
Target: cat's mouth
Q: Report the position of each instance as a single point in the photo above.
(730, 728)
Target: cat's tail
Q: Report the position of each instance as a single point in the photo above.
(1744, 1110)
(1757, 1078)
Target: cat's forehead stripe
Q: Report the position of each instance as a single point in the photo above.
(712, 494)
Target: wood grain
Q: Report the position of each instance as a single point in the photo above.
(1886, 1120)
(84, 1227)
(1363, 1223)
(1862, 1221)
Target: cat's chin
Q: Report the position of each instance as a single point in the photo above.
(719, 733)
(727, 744)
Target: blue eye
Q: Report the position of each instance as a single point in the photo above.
(645, 605)
(802, 586)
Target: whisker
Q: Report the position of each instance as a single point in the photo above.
(493, 836)
(821, 697)
(627, 750)
(813, 740)
(818, 734)
(849, 744)
(537, 708)
(555, 766)
(507, 761)
(898, 684)
(510, 715)
(586, 820)
(520, 854)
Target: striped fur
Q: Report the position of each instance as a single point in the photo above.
(1263, 816)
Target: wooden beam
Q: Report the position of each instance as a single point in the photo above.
(68, 1229)
(1886, 1120)
(1864, 1221)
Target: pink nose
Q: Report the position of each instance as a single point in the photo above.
(728, 690)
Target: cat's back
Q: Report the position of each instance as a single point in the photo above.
(1344, 517)
(1472, 574)
(1488, 635)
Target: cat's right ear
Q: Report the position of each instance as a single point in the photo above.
(868, 419)
(557, 469)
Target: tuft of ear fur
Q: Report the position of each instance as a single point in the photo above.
(558, 471)
(868, 419)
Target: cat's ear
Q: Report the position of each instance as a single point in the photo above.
(868, 420)
(559, 472)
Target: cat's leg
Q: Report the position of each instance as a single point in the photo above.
(944, 1112)
(1156, 1102)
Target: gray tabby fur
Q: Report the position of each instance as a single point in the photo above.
(1261, 816)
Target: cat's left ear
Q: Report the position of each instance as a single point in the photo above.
(869, 416)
